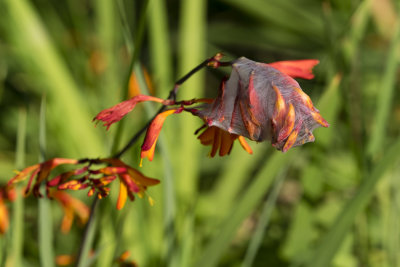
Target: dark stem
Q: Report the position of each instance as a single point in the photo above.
(212, 62)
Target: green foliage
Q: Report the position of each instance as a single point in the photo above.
(335, 202)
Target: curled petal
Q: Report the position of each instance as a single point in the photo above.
(296, 68)
(245, 145)
(117, 112)
(287, 125)
(153, 132)
(292, 138)
(280, 107)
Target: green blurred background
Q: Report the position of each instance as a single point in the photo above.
(334, 202)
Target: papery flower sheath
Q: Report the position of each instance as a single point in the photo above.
(260, 102)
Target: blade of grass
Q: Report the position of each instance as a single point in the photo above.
(45, 227)
(246, 204)
(329, 106)
(107, 34)
(230, 183)
(17, 232)
(331, 242)
(192, 51)
(265, 217)
(169, 203)
(135, 48)
(385, 96)
(88, 237)
(308, 23)
(68, 109)
(160, 47)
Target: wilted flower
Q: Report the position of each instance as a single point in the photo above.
(259, 101)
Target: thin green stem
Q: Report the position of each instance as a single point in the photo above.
(88, 236)
(45, 228)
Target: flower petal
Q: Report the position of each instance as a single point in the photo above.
(123, 194)
(140, 179)
(292, 138)
(296, 68)
(207, 136)
(153, 132)
(227, 140)
(216, 142)
(117, 112)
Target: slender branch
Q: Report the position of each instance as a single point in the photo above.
(213, 62)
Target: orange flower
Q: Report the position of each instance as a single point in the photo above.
(4, 220)
(131, 181)
(97, 174)
(7, 194)
(117, 112)
(153, 132)
(41, 172)
(72, 207)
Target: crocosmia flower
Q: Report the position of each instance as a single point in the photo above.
(92, 174)
(71, 206)
(7, 194)
(260, 102)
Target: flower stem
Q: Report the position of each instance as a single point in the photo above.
(87, 240)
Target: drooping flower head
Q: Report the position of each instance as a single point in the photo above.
(262, 103)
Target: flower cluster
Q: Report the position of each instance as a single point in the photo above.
(259, 102)
(94, 174)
